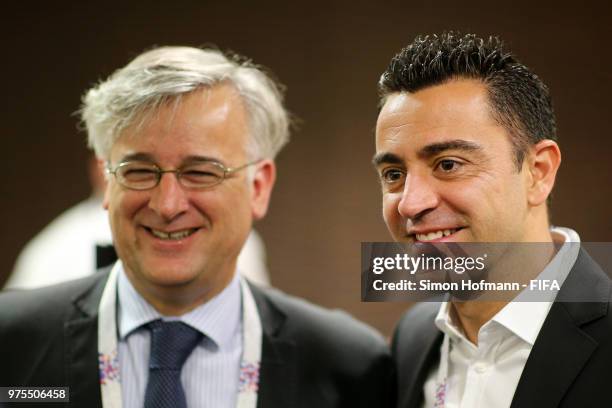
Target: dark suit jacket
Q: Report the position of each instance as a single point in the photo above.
(311, 357)
(570, 364)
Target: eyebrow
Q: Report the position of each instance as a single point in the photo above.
(428, 151)
(386, 158)
(457, 144)
(149, 158)
(136, 157)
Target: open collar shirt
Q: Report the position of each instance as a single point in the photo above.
(486, 375)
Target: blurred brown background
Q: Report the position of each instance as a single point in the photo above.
(330, 56)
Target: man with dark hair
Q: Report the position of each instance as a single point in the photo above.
(466, 152)
(518, 99)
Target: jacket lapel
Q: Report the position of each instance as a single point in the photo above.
(278, 360)
(81, 339)
(415, 360)
(562, 347)
(413, 398)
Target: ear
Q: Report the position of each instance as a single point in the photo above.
(261, 187)
(544, 160)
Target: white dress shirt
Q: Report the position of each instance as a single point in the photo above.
(486, 375)
(210, 374)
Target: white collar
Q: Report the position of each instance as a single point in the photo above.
(108, 355)
(522, 318)
(219, 318)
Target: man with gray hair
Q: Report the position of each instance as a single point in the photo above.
(188, 139)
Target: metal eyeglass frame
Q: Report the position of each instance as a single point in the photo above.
(227, 171)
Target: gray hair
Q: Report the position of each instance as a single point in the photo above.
(164, 74)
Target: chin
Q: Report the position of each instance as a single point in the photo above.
(168, 275)
(168, 279)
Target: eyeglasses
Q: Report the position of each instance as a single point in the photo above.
(139, 175)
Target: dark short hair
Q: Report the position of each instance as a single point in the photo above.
(519, 100)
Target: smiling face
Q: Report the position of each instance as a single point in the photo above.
(447, 169)
(179, 246)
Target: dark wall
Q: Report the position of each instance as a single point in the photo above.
(330, 57)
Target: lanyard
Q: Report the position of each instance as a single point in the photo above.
(108, 358)
(442, 376)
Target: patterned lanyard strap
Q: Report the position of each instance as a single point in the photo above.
(442, 377)
(108, 359)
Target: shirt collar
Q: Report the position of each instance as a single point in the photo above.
(524, 319)
(559, 266)
(219, 319)
(444, 322)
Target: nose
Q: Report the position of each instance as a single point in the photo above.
(168, 199)
(419, 197)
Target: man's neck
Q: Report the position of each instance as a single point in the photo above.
(470, 316)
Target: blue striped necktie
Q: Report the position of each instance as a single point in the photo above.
(171, 344)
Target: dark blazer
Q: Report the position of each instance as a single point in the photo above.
(570, 364)
(311, 357)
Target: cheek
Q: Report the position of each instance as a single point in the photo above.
(213, 202)
(390, 211)
(476, 194)
(124, 205)
(490, 202)
(507, 193)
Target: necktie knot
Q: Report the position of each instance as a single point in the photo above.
(171, 344)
